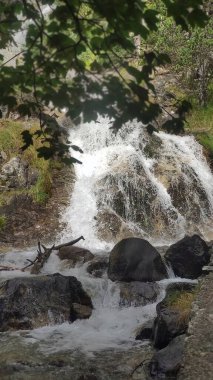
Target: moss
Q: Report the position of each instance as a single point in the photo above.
(181, 301)
(3, 221)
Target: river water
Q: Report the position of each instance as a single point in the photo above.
(115, 165)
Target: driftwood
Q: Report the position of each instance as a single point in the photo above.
(5, 267)
(41, 257)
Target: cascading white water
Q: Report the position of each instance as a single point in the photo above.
(125, 187)
(156, 187)
(111, 326)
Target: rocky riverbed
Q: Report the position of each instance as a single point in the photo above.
(52, 325)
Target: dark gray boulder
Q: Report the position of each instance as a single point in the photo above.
(135, 259)
(166, 363)
(188, 256)
(31, 302)
(172, 321)
(138, 293)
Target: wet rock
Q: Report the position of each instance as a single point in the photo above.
(188, 256)
(75, 255)
(79, 311)
(153, 146)
(131, 196)
(135, 259)
(166, 363)
(108, 225)
(184, 187)
(138, 293)
(87, 377)
(27, 303)
(171, 320)
(98, 267)
(145, 331)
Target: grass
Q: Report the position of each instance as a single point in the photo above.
(181, 301)
(11, 142)
(200, 123)
(2, 222)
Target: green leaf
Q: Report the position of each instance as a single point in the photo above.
(27, 138)
(76, 148)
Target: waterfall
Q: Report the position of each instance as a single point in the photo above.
(157, 187)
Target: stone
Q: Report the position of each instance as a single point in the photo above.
(167, 362)
(145, 331)
(75, 255)
(188, 256)
(131, 197)
(170, 321)
(98, 267)
(14, 173)
(108, 225)
(3, 156)
(31, 302)
(135, 259)
(138, 293)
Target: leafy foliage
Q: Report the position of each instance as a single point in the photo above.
(11, 142)
(191, 52)
(72, 58)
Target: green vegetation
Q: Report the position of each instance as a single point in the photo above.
(200, 123)
(181, 301)
(11, 143)
(190, 52)
(96, 40)
(2, 222)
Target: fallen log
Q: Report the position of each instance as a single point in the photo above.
(42, 257)
(6, 268)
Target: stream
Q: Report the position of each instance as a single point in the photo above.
(120, 191)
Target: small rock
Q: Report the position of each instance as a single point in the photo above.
(3, 156)
(14, 173)
(75, 255)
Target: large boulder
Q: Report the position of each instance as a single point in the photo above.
(173, 313)
(166, 363)
(27, 303)
(132, 197)
(135, 259)
(188, 256)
